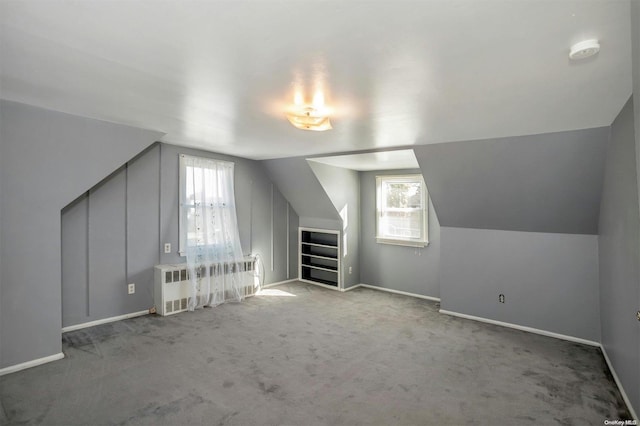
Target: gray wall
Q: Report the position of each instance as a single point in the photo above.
(620, 254)
(294, 223)
(253, 189)
(113, 235)
(1, 238)
(110, 238)
(538, 183)
(635, 43)
(309, 204)
(343, 188)
(410, 269)
(48, 160)
(550, 281)
(300, 186)
(635, 61)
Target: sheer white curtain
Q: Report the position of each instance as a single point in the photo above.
(209, 228)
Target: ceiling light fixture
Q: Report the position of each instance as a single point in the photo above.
(309, 116)
(584, 49)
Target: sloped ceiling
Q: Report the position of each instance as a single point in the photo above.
(64, 148)
(217, 75)
(542, 183)
(300, 186)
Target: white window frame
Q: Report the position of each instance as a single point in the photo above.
(423, 240)
(182, 195)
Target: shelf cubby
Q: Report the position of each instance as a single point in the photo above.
(319, 256)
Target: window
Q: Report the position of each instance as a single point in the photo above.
(207, 210)
(401, 213)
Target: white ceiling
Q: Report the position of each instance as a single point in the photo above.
(217, 75)
(381, 160)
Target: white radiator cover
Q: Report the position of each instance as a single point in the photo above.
(172, 287)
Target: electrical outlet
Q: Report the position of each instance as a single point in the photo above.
(167, 247)
(501, 298)
(131, 288)
(350, 269)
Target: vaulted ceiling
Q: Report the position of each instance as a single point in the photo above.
(217, 74)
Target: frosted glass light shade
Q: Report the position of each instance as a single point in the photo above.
(309, 118)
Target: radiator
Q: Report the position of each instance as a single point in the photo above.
(172, 284)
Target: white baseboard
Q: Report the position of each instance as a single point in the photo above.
(29, 364)
(523, 328)
(404, 293)
(104, 321)
(280, 282)
(353, 287)
(617, 380)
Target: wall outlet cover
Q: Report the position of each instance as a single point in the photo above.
(131, 288)
(167, 247)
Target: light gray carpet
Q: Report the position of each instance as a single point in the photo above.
(318, 357)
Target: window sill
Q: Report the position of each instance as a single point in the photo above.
(402, 242)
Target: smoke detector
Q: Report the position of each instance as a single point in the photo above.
(584, 49)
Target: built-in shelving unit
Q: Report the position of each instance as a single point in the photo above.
(319, 256)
